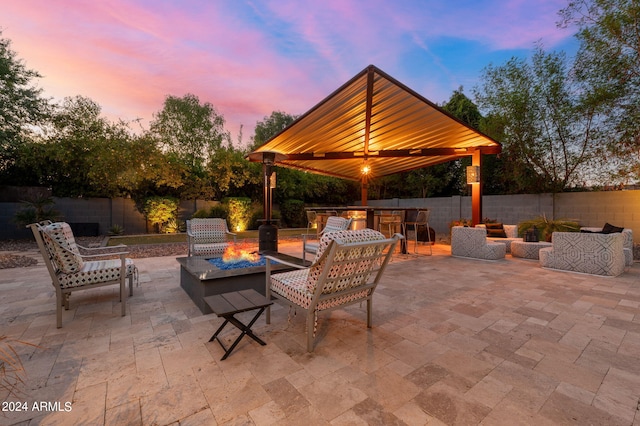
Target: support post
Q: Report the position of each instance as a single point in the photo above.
(268, 231)
(476, 190)
(364, 189)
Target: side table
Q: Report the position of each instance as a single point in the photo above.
(227, 305)
(527, 250)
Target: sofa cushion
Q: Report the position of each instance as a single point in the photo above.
(62, 246)
(610, 229)
(495, 230)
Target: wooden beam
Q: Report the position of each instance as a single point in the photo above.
(387, 153)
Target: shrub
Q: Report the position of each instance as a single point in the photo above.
(174, 226)
(239, 210)
(160, 210)
(293, 213)
(201, 214)
(116, 230)
(36, 209)
(219, 210)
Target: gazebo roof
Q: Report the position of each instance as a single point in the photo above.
(377, 118)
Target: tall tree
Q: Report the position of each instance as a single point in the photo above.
(189, 130)
(270, 126)
(609, 62)
(21, 105)
(549, 128)
(82, 153)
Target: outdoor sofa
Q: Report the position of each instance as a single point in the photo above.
(472, 242)
(588, 253)
(627, 235)
(501, 233)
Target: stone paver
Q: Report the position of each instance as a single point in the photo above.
(454, 341)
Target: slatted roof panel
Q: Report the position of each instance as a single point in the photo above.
(373, 116)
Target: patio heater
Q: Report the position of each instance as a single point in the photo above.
(268, 231)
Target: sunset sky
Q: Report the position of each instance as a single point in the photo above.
(249, 58)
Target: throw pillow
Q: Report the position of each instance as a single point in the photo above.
(495, 230)
(610, 229)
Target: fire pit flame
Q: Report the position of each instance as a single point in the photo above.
(238, 253)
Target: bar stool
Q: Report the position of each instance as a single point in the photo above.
(391, 221)
(421, 219)
(312, 219)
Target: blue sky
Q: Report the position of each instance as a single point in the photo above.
(249, 58)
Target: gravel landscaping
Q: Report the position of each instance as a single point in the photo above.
(11, 251)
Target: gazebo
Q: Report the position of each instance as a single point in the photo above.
(373, 125)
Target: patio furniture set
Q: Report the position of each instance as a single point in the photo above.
(388, 220)
(601, 251)
(70, 270)
(346, 268)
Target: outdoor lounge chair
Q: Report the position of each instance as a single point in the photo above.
(69, 269)
(346, 270)
(208, 237)
(472, 242)
(334, 223)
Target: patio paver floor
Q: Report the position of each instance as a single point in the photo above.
(455, 341)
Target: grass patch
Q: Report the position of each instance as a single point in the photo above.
(132, 240)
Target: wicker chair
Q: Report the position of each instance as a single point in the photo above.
(334, 223)
(347, 269)
(208, 237)
(70, 271)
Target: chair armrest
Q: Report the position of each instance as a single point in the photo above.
(118, 253)
(305, 236)
(106, 248)
(299, 263)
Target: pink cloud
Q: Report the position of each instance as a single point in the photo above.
(247, 59)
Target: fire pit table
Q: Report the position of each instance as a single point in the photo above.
(200, 277)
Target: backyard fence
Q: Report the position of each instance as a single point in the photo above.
(620, 208)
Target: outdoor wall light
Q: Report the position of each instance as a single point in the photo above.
(473, 174)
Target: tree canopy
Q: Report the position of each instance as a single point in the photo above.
(549, 130)
(22, 106)
(608, 62)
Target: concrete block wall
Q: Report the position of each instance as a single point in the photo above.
(8, 228)
(103, 211)
(620, 208)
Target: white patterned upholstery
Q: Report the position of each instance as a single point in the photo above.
(512, 235)
(69, 269)
(208, 237)
(64, 251)
(472, 242)
(334, 223)
(347, 269)
(628, 242)
(597, 254)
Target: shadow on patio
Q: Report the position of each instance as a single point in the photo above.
(454, 341)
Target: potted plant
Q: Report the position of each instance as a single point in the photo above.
(546, 227)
